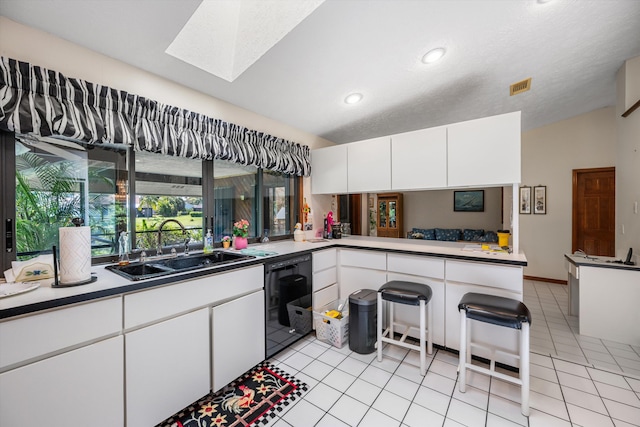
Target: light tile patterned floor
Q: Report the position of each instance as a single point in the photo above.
(555, 333)
(569, 387)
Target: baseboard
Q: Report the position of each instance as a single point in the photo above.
(544, 279)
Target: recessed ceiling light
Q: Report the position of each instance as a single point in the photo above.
(544, 1)
(353, 98)
(433, 55)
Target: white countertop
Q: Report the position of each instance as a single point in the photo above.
(598, 261)
(109, 283)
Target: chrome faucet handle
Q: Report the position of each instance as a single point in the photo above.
(174, 252)
(186, 246)
(159, 250)
(143, 256)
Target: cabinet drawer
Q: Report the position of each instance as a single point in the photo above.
(496, 276)
(416, 265)
(82, 384)
(155, 304)
(324, 278)
(324, 259)
(364, 259)
(325, 296)
(33, 336)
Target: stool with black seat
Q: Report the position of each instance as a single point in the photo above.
(408, 293)
(500, 311)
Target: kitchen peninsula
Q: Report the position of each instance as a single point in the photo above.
(173, 321)
(604, 295)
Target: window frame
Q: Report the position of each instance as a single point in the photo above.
(8, 210)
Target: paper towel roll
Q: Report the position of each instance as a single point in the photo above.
(75, 254)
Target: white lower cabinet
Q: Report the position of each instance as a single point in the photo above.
(429, 271)
(325, 277)
(237, 338)
(360, 269)
(500, 280)
(167, 367)
(80, 387)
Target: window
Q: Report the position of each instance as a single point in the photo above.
(59, 179)
(168, 192)
(234, 197)
(277, 190)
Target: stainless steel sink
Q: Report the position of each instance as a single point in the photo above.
(161, 267)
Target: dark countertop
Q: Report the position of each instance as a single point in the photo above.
(109, 284)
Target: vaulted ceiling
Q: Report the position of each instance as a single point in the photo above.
(295, 61)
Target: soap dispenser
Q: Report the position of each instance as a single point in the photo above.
(208, 242)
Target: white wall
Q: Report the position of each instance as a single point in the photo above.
(549, 155)
(434, 209)
(628, 160)
(39, 48)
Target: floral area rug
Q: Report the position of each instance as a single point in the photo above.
(253, 399)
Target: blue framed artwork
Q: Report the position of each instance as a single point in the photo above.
(468, 201)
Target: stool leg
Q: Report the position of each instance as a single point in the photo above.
(390, 304)
(524, 367)
(423, 357)
(430, 328)
(380, 326)
(462, 375)
(468, 340)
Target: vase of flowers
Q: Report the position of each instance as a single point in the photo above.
(226, 242)
(240, 233)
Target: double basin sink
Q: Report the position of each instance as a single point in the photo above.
(162, 267)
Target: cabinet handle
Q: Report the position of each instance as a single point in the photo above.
(9, 235)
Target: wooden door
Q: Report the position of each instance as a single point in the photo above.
(594, 213)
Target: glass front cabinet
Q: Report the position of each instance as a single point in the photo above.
(390, 215)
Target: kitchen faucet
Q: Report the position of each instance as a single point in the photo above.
(184, 232)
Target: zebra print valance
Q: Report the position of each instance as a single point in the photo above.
(45, 102)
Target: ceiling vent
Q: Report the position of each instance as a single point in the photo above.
(519, 87)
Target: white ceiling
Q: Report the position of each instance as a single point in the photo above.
(571, 48)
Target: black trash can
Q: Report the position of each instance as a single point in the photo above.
(363, 316)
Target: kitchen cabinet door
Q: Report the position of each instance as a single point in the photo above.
(81, 387)
(238, 338)
(484, 151)
(419, 159)
(369, 165)
(426, 270)
(167, 367)
(324, 269)
(81, 323)
(490, 337)
(329, 170)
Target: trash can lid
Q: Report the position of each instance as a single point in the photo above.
(364, 297)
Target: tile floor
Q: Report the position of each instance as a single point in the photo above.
(555, 333)
(569, 386)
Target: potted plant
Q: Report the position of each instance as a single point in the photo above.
(226, 242)
(240, 233)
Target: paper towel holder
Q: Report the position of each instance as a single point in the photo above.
(56, 280)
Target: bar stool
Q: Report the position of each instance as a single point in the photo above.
(506, 312)
(409, 293)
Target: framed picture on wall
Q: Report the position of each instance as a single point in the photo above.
(525, 200)
(468, 201)
(540, 199)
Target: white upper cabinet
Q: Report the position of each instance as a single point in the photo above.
(369, 165)
(477, 153)
(419, 159)
(329, 170)
(484, 151)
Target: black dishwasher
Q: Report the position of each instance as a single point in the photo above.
(287, 285)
